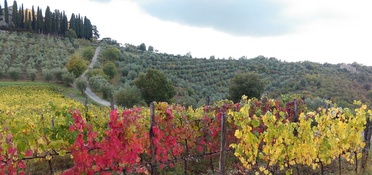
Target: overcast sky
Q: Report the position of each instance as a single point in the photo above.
(332, 31)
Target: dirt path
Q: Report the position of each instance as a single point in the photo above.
(88, 91)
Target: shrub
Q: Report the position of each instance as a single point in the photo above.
(155, 86)
(32, 74)
(97, 65)
(71, 34)
(124, 71)
(81, 84)
(132, 75)
(68, 78)
(88, 53)
(128, 96)
(142, 47)
(76, 65)
(15, 73)
(3, 70)
(97, 82)
(109, 69)
(58, 72)
(249, 84)
(110, 53)
(48, 75)
(106, 90)
(94, 72)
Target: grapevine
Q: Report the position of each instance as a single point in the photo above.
(266, 135)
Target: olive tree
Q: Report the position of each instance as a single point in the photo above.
(128, 96)
(87, 53)
(15, 73)
(48, 75)
(109, 69)
(155, 86)
(97, 82)
(249, 84)
(81, 84)
(76, 65)
(110, 53)
(68, 78)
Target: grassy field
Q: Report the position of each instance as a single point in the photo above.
(67, 91)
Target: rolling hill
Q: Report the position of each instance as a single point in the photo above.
(25, 54)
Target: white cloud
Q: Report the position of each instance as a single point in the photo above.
(333, 31)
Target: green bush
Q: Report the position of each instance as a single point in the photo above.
(15, 73)
(58, 72)
(81, 84)
(76, 65)
(68, 78)
(124, 71)
(94, 72)
(109, 69)
(106, 90)
(249, 84)
(110, 53)
(88, 53)
(128, 96)
(3, 70)
(97, 65)
(97, 82)
(155, 86)
(48, 75)
(71, 34)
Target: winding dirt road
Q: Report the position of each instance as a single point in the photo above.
(88, 91)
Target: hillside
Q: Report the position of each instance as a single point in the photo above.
(27, 56)
(35, 57)
(196, 78)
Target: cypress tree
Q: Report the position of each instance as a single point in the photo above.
(82, 28)
(29, 22)
(48, 21)
(88, 28)
(15, 14)
(85, 27)
(72, 22)
(6, 12)
(33, 19)
(57, 20)
(60, 24)
(78, 26)
(64, 24)
(40, 22)
(53, 24)
(1, 14)
(21, 18)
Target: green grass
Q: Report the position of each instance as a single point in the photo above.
(65, 90)
(22, 83)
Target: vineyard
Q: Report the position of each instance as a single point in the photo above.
(263, 136)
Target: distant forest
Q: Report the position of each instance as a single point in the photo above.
(55, 22)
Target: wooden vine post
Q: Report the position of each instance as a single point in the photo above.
(112, 105)
(205, 126)
(223, 144)
(295, 111)
(367, 140)
(185, 159)
(152, 145)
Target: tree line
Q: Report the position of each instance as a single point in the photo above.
(52, 22)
